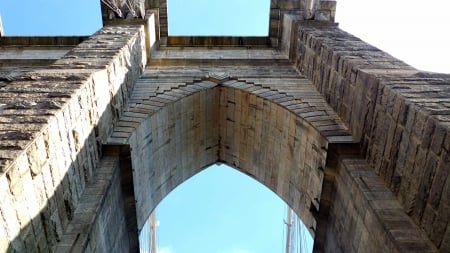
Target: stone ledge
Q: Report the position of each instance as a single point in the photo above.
(374, 210)
(41, 40)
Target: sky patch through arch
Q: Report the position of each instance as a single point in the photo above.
(218, 17)
(225, 211)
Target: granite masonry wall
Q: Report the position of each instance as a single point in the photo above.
(252, 110)
(366, 216)
(52, 121)
(99, 219)
(400, 116)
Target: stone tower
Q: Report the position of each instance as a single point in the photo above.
(95, 131)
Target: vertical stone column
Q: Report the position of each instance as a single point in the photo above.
(1, 27)
(105, 217)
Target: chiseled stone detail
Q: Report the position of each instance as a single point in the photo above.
(218, 77)
(292, 92)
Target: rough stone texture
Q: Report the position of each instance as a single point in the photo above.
(265, 121)
(31, 54)
(18, 56)
(98, 223)
(354, 140)
(399, 114)
(52, 120)
(364, 209)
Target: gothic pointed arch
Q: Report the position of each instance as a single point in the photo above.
(176, 125)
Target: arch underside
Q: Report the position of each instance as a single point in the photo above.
(179, 121)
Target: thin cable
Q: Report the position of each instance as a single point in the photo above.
(299, 234)
(113, 6)
(283, 243)
(130, 8)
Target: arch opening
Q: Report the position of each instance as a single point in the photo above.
(234, 214)
(223, 124)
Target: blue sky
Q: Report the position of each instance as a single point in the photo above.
(235, 214)
(50, 17)
(219, 18)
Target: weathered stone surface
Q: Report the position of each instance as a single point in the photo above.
(224, 122)
(354, 140)
(99, 214)
(50, 135)
(366, 211)
(399, 115)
